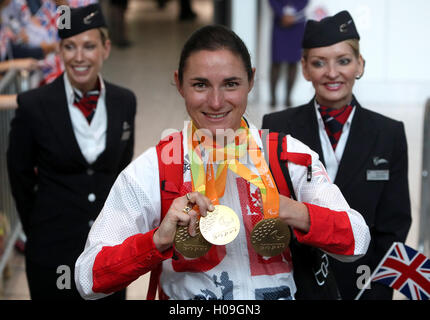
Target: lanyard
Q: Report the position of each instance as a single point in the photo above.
(213, 186)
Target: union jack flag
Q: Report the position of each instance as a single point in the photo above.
(320, 173)
(81, 3)
(6, 35)
(47, 16)
(405, 270)
(25, 13)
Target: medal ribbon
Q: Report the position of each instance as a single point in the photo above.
(214, 186)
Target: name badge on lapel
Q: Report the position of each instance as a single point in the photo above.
(378, 175)
(125, 131)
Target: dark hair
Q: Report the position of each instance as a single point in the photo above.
(215, 37)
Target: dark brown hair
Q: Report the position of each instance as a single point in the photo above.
(215, 37)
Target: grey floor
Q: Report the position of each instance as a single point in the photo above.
(147, 68)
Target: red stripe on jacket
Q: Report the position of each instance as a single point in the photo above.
(330, 230)
(115, 267)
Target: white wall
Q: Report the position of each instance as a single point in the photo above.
(394, 42)
(244, 23)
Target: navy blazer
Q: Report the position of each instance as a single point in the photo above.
(58, 194)
(376, 144)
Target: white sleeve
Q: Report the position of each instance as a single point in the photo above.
(322, 192)
(132, 207)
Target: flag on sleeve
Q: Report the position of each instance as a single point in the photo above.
(406, 270)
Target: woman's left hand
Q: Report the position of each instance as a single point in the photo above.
(288, 20)
(8, 101)
(294, 213)
(24, 64)
(182, 212)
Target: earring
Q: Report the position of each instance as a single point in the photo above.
(358, 77)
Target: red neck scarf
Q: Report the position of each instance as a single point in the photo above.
(334, 119)
(87, 103)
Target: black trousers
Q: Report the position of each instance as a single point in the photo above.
(52, 283)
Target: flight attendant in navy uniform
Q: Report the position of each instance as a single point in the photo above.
(365, 153)
(68, 142)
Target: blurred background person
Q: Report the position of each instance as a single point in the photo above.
(29, 30)
(8, 101)
(118, 25)
(287, 33)
(186, 11)
(27, 37)
(161, 3)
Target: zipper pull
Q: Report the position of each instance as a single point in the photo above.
(309, 176)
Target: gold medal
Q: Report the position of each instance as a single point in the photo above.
(270, 237)
(188, 246)
(220, 226)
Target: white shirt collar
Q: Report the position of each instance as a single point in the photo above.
(321, 121)
(69, 89)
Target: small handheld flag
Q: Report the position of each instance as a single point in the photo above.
(403, 269)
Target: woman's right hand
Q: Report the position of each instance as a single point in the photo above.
(24, 64)
(177, 216)
(288, 20)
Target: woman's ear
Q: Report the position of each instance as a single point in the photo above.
(305, 69)
(251, 83)
(178, 83)
(362, 65)
(107, 48)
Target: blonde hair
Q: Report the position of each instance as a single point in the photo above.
(353, 43)
(104, 34)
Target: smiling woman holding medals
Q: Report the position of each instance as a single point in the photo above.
(225, 231)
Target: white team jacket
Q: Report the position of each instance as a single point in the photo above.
(120, 248)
